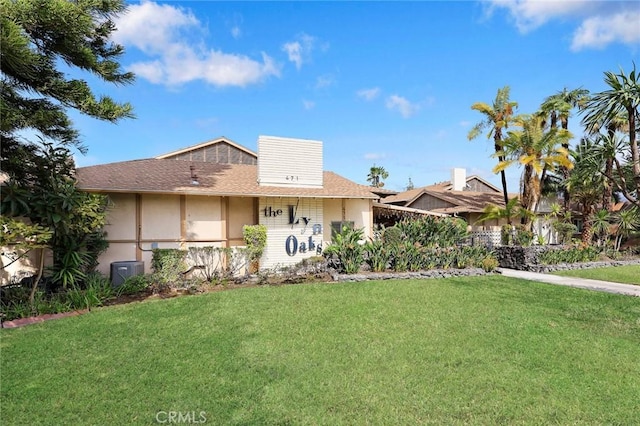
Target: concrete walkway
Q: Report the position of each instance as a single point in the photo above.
(597, 285)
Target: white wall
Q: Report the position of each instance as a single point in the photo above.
(289, 243)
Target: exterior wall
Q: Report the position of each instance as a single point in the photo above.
(428, 202)
(360, 211)
(203, 217)
(295, 230)
(290, 162)
(242, 211)
(477, 186)
(221, 152)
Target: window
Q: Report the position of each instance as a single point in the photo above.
(336, 227)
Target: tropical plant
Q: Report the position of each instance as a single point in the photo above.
(347, 246)
(539, 150)
(376, 176)
(600, 223)
(627, 221)
(512, 210)
(622, 97)
(498, 116)
(255, 237)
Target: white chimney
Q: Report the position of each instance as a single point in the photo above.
(458, 179)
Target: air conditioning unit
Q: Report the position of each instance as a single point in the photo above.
(120, 271)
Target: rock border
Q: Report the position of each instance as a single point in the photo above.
(430, 274)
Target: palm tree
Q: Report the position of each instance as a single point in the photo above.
(539, 150)
(585, 185)
(497, 117)
(601, 221)
(627, 221)
(558, 107)
(376, 175)
(622, 97)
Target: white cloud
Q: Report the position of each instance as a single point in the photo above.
(601, 22)
(598, 32)
(324, 81)
(369, 94)
(398, 103)
(236, 32)
(464, 123)
(162, 32)
(299, 50)
(374, 156)
(308, 104)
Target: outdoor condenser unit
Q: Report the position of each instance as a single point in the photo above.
(120, 271)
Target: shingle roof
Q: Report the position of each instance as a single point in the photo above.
(170, 176)
(463, 201)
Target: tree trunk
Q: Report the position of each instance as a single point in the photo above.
(36, 280)
(635, 156)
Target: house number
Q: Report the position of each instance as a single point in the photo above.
(291, 177)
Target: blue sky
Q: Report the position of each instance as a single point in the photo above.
(385, 83)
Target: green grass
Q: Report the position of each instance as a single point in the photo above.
(484, 350)
(626, 274)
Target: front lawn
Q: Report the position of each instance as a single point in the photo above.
(626, 274)
(482, 350)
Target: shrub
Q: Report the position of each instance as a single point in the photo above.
(565, 231)
(377, 255)
(523, 237)
(569, 255)
(168, 265)
(489, 264)
(392, 236)
(347, 248)
(255, 237)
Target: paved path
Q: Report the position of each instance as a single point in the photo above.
(597, 285)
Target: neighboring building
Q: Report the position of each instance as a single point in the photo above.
(462, 196)
(204, 195)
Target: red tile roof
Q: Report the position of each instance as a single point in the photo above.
(174, 177)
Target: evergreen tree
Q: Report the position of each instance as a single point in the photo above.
(37, 37)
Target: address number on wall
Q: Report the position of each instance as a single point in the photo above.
(291, 177)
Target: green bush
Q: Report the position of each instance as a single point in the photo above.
(569, 255)
(565, 231)
(523, 237)
(377, 255)
(347, 248)
(430, 231)
(489, 264)
(168, 265)
(392, 236)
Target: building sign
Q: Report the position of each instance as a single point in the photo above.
(294, 230)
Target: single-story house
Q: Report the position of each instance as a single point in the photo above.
(462, 196)
(203, 195)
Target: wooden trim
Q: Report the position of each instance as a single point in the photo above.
(224, 221)
(166, 240)
(138, 226)
(256, 211)
(344, 209)
(183, 221)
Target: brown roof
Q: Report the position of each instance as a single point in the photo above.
(447, 185)
(174, 177)
(463, 201)
(467, 201)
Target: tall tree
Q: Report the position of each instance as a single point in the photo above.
(497, 117)
(376, 176)
(622, 97)
(36, 38)
(539, 150)
(558, 107)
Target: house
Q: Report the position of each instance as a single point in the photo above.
(462, 196)
(203, 195)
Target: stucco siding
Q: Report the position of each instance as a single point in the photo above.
(241, 212)
(203, 217)
(160, 217)
(361, 213)
(121, 217)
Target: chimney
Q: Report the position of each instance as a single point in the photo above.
(458, 179)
